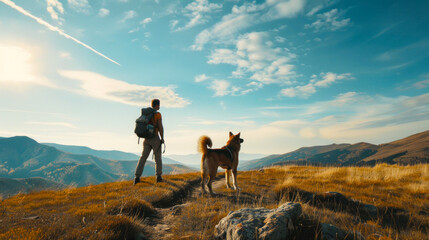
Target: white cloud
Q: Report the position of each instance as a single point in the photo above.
(66, 55)
(145, 21)
(54, 7)
(129, 15)
(197, 12)
(201, 78)
(103, 12)
(348, 118)
(81, 6)
(54, 124)
(55, 29)
(257, 59)
(280, 39)
(314, 10)
(330, 21)
(221, 87)
(411, 52)
(421, 84)
(173, 24)
(98, 86)
(245, 16)
(278, 9)
(324, 80)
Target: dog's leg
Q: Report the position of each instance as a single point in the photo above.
(228, 178)
(203, 175)
(234, 179)
(203, 182)
(211, 179)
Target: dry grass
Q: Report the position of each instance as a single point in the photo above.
(122, 211)
(105, 211)
(383, 186)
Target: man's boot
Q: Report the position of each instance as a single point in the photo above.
(159, 179)
(136, 180)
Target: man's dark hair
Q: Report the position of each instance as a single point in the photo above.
(155, 102)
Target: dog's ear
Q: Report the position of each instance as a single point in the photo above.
(231, 134)
(239, 134)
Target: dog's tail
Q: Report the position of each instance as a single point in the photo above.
(203, 142)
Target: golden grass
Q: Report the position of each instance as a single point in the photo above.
(118, 210)
(105, 211)
(383, 186)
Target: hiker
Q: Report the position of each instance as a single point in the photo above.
(152, 143)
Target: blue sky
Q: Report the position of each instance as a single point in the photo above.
(286, 74)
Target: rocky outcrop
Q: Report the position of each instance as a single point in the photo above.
(259, 223)
(331, 232)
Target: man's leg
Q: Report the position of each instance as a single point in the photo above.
(142, 161)
(158, 159)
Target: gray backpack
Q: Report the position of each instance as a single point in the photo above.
(144, 127)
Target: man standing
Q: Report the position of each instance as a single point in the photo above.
(152, 143)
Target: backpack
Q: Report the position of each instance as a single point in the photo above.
(144, 128)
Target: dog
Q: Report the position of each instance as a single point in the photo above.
(225, 157)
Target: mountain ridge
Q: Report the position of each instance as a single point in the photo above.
(409, 150)
(23, 157)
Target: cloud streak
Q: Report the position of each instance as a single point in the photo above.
(330, 21)
(55, 29)
(305, 91)
(196, 11)
(98, 86)
(257, 58)
(245, 16)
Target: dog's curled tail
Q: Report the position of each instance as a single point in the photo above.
(203, 142)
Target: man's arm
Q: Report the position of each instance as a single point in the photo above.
(161, 129)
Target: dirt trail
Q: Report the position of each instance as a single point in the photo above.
(167, 216)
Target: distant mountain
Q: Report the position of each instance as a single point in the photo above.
(111, 155)
(25, 185)
(22, 157)
(295, 156)
(411, 150)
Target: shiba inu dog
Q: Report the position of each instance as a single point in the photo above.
(225, 157)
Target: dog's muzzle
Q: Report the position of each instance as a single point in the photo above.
(241, 140)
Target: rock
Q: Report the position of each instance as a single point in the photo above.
(369, 209)
(259, 223)
(331, 232)
(31, 218)
(279, 224)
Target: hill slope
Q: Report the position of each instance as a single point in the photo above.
(111, 155)
(410, 150)
(292, 157)
(25, 185)
(22, 157)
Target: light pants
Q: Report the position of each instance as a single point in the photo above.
(149, 144)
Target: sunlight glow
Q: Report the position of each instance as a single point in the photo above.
(15, 65)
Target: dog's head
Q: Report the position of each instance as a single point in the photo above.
(235, 140)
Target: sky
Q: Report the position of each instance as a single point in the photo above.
(286, 74)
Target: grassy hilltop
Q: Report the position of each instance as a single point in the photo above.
(176, 210)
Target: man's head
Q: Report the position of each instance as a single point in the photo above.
(156, 104)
